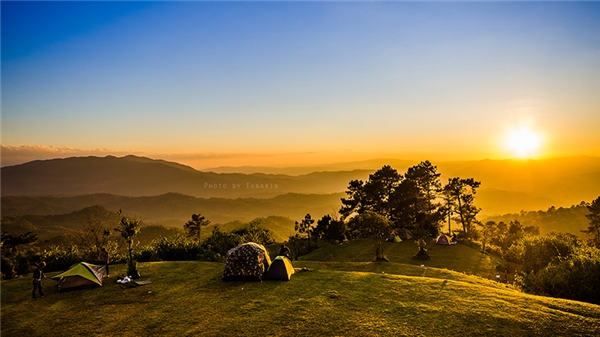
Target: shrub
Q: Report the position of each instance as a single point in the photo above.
(177, 248)
(61, 257)
(220, 242)
(558, 265)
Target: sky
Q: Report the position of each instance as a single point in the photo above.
(299, 83)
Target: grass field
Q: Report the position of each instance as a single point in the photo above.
(333, 298)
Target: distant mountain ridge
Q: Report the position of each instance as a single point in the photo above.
(507, 185)
(138, 176)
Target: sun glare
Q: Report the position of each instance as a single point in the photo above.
(523, 143)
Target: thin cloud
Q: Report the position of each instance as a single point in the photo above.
(14, 155)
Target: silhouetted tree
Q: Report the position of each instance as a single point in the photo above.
(374, 195)
(93, 236)
(461, 195)
(305, 227)
(594, 227)
(408, 201)
(414, 202)
(129, 229)
(376, 226)
(194, 227)
(322, 227)
(330, 229)
(14, 260)
(220, 242)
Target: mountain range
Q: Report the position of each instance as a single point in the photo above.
(506, 185)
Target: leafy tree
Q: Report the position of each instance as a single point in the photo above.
(322, 227)
(594, 227)
(220, 242)
(93, 236)
(297, 246)
(14, 261)
(415, 202)
(488, 232)
(254, 233)
(330, 229)
(194, 227)
(355, 199)
(427, 180)
(515, 227)
(129, 229)
(461, 194)
(305, 227)
(11, 242)
(374, 195)
(405, 204)
(371, 224)
(408, 201)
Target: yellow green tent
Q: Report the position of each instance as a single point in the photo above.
(280, 269)
(80, 275)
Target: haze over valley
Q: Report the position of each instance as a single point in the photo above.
(166, 193)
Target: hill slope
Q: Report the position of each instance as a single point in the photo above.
(175, 209)
(188, 298)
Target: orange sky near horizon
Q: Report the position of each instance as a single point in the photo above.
(211, 84)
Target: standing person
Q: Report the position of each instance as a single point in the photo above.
(38, 275)
(104, 258)
(284, 251)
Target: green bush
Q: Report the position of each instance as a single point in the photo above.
(145, 254)
(558, 265)
(61, 257)
(220, 242)
(176, 248)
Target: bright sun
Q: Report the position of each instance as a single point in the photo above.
(524, 143)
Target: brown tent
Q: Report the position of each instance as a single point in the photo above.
(249, 261)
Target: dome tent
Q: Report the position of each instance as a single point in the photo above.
(80, 275)
(443, 240)
(280, 269)
(249, 261)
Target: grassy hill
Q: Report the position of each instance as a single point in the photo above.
(338, 297)
(459, 258)
(189, 298)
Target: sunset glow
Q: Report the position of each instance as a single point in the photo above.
(298, 83)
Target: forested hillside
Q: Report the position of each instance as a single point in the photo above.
(569, 220)
(175, 209)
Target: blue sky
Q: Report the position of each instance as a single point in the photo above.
(243, 83)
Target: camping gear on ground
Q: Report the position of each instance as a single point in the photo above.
(280, 269)
(128, 282)
(80, 275)
(444, 240)
(249, 261)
